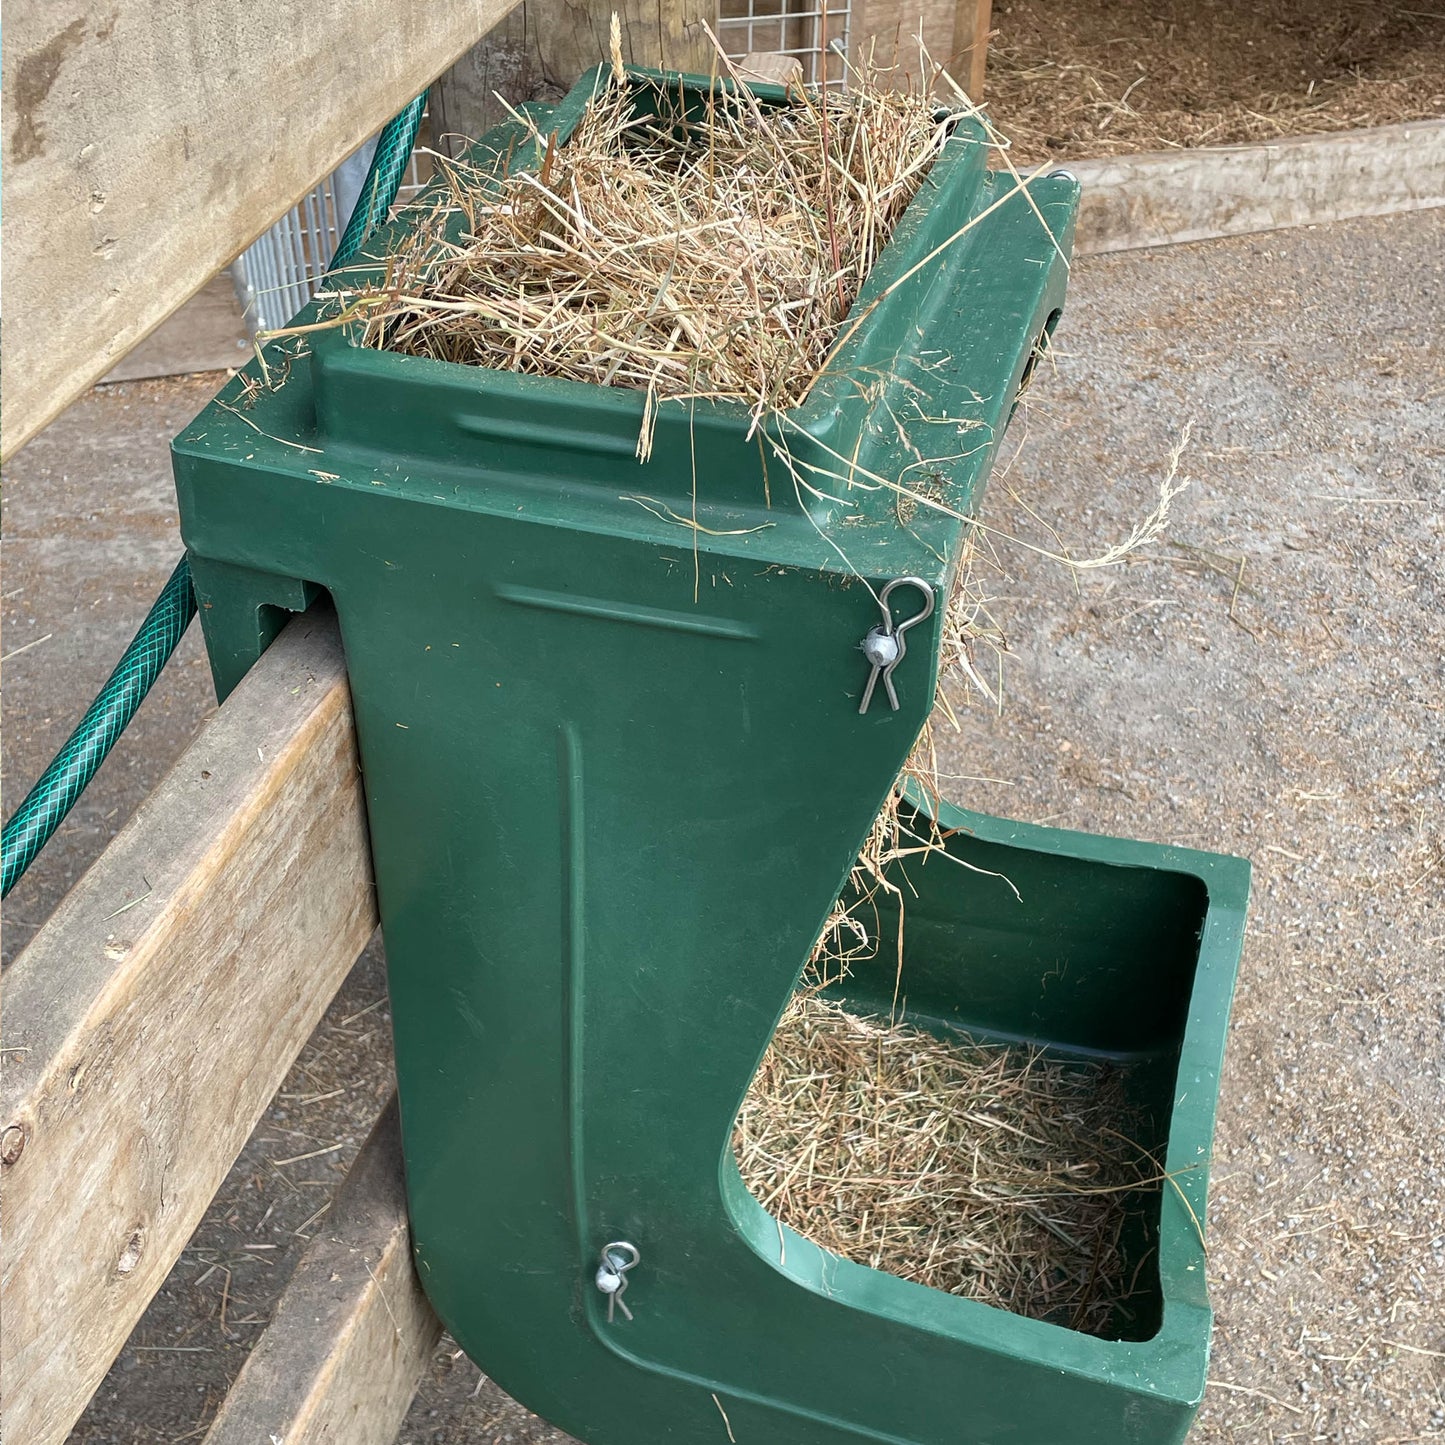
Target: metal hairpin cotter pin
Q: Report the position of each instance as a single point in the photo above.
(611, 1278)
(885, 645)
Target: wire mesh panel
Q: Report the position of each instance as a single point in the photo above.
(815, 32)
(277, 274)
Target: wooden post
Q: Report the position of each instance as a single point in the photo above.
(542, 46)
(970, 46)
(887, 33)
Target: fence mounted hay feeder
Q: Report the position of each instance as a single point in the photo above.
(635, 666)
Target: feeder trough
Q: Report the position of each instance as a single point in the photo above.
(617, 772)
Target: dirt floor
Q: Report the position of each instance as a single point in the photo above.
(1268, 680)
(1106, 77)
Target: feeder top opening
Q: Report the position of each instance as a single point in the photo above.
(685, 240)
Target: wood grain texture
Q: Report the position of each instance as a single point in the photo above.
(969, 55)
(1156, 200)
(152, 1019)
(340, 1360)
(769, 65)
(888, 32)
(146, 142)
(542, 46)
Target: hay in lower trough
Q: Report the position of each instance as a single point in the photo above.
(994, 1172)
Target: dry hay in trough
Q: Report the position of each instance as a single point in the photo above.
(995, 1172)
(715, 257)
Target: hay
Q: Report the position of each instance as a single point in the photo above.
(996, 1173)
(710, 258)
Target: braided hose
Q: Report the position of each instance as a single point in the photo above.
(34, 822)
(62, 783)
(378, 191)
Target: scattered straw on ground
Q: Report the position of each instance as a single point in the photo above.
(1107, 77)
(996, 1173)
(712, 259)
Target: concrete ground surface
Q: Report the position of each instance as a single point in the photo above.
(1266, 678)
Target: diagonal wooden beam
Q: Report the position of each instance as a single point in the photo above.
(144, 143)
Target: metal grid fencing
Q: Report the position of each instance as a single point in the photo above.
(815, 32)
(277, 274)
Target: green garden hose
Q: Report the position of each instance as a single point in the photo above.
(33, 822)
(61, 784)
(388, 165)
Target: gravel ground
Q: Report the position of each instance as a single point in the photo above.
(1267, 679)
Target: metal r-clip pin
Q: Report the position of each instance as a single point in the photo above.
(885, 645)
(617, 1258)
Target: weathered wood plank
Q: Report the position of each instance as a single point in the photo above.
(542, 46)
(968, 60)
(208, 333)
(769, 65)
(1197, 195)
(151, 1020)
(145, 143)
(340, 1360)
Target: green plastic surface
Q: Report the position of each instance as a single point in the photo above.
(616, 776)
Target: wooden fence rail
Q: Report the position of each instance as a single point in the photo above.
(352, 1332)
(145, 143)
(151, 1020)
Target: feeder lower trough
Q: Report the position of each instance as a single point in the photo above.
(618, 767)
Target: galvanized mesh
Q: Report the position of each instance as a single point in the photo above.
(814, 32)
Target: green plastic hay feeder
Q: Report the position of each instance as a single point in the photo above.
(615, 786)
